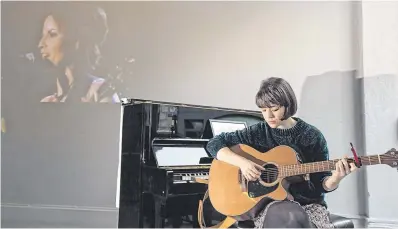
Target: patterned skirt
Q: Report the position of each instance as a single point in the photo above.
(317, 214)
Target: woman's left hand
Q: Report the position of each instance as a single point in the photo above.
(343, 169)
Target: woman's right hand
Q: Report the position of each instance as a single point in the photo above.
(250, 170)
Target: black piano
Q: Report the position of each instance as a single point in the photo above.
(163, 152)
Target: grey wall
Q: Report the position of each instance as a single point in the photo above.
(183, 48)
(56, 171)
(238, 41)
(381, 119)
(333, 103)
(379, 57)
(59, 157)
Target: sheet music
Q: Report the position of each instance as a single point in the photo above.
(225, 126)
(174, 156)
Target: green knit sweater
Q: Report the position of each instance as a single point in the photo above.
(305, 139)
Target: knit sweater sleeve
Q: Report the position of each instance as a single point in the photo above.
(247, 136)
(321, 153)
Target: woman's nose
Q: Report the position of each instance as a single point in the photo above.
(269, 115)
(41, 43)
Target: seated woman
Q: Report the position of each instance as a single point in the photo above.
(278, 104)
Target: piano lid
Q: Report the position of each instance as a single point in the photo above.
(132, 101)
(178, 152)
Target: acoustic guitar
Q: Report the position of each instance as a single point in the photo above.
(232, 195)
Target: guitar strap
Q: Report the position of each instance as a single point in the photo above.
(226, 223)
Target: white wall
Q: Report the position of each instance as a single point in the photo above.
(210, 45)
(380, 36)
(380, 58)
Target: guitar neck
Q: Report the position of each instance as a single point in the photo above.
(325, 166)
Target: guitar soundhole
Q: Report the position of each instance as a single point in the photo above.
(270, 173)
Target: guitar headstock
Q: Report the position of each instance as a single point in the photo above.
(390, 158)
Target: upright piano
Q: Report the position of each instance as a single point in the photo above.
(163, 151)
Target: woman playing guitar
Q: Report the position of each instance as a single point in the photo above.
(278, 104)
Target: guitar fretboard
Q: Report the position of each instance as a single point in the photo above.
(323, 166)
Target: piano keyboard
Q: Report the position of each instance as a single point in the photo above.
(189, 177)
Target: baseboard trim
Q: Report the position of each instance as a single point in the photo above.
(359, 217)
(371, 222)
(39, 216)
(382, 223)
(57, 207)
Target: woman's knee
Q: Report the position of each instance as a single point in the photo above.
(288, 214)
(286, 206)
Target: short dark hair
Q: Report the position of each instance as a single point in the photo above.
(277, 91)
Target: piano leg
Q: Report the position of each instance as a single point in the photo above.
(159, 218)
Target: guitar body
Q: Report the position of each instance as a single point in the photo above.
(231, 195)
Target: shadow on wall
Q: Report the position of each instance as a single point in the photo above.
(333, 103)
(381, 114)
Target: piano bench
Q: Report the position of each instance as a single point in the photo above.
(338, 222)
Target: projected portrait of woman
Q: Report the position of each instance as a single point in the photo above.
(71, 41)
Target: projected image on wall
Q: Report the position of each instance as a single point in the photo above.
(70, 41)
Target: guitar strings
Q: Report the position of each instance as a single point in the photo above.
(314, 164)
(293, 168)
